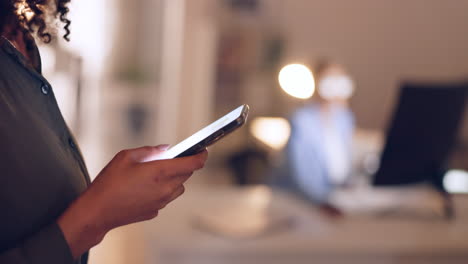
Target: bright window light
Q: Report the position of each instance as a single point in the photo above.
(48, 58)
(271, 131)
(456, 181)
(297, 80)
(92, 32)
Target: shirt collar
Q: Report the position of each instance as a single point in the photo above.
(11, 50)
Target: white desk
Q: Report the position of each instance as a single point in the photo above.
(172, 238)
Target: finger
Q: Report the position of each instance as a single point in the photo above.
(180, 179)
(178, 192)
(178, 166)
(148, 216)
(143, 154)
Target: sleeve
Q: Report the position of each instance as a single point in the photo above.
(46, 246)
(307, 168)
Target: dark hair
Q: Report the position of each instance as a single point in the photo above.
(321, 65)
(31, 16)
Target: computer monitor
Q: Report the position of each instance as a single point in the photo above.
(422, 133)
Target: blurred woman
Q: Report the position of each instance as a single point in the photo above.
(51, 213)
(319, 150)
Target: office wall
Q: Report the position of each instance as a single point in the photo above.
(381, 42)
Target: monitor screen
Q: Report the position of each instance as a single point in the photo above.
(422, 133)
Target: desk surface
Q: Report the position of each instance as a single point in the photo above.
(173, 238)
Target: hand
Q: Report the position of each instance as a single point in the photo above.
(127, 190)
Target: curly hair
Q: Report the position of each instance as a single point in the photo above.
(35, 17)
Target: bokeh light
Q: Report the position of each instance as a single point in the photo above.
(297, 80)
(456, 181)
(271, 131)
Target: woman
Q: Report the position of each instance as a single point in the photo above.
(50, 212)
(319, 149)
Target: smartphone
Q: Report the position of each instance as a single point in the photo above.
(208, 135)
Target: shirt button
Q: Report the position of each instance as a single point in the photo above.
(45, 89)
(71, 143)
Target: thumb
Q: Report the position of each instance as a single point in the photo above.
(148, 153)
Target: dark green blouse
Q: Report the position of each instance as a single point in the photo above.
(41, 168)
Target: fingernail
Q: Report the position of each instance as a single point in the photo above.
(163, 147)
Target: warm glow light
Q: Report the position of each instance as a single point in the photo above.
(272, 131)
(22, 8)
(297, 80)
(259, 197)
(456, 181)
